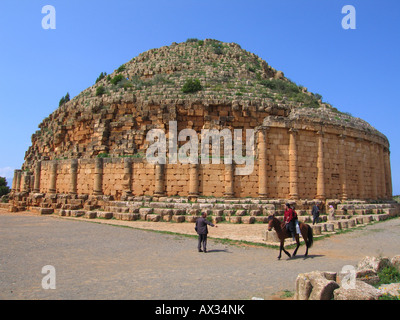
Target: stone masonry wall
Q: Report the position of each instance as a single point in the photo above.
(293, 160)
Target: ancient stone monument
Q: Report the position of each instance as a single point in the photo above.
(92, 149)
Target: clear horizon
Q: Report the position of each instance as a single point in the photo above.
(355, 70)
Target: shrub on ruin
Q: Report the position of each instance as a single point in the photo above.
(64, 99)
(100, 91)
(191, 85)
(116, 79)
(101, 76)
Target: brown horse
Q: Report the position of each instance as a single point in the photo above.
(305, 229)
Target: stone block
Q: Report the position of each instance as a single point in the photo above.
(240, 212)
(216, 220)
(315, 285)
(153, 217)
(376, 264)
(179, 219)
(77, 213)
(255, 213)
(395, 261)
(104, 215)
(45, 211)
(261, 219)
(90, 214)
(191, 219)
(235, 219)
(317, 230)
(330, 227)
(361, 291)
(271, 236)
(248, 219)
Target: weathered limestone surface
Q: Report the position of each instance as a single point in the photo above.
(95, 144)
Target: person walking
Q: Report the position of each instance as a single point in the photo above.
(315, 214)
(202, 231)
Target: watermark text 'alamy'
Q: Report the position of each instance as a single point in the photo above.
(188, 153)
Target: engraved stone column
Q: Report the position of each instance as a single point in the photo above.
(342, 168)
(53, 177)
(159, 177)
(382, 184)
(98, 177)
(127, 184)
(229, 181)
(360, 170)
(38, 167)
(320, 167)
(388, 172)
(262, 164)
(74, 177)
(372, 156)
(293, 167)
(18, 181)
(14, 183)
(26, 182)
(194, 180)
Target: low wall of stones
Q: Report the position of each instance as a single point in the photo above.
(181, 209)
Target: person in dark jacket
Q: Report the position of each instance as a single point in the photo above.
(315, 214)
(202, 231)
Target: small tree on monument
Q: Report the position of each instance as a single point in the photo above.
(64, 99)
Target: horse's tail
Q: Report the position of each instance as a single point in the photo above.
(310, 237)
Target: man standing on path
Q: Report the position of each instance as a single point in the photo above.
(315, 214)
(202, 231)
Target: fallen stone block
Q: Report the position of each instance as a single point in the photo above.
(90, 214)
(368, 276)
(352, 223)
(330, 227)
(392, 289)
(178, 219)
(191, 219)
(104, 215)
(361, 291)
(240, 213)
(77, 213)
(153, 217)
(248, 220)
(315, 285)
(376, 264)
(395, 261)
(261, 219)
(235, 219)
(271, 236)
(216, 220)
(45, 211)
(317, 230)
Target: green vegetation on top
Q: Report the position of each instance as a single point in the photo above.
(191, 85)
(64, 99)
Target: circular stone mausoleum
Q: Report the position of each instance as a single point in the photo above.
(95, 144)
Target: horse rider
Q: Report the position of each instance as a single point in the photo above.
(290, 220)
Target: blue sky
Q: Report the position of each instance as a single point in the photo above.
(357, 71)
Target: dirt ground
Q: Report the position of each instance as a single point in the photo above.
(112, 259)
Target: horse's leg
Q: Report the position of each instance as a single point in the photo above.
(304, 233)
(298, 245)
(283, 248)
(280, 251)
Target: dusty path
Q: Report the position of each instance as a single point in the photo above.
(99, 261)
